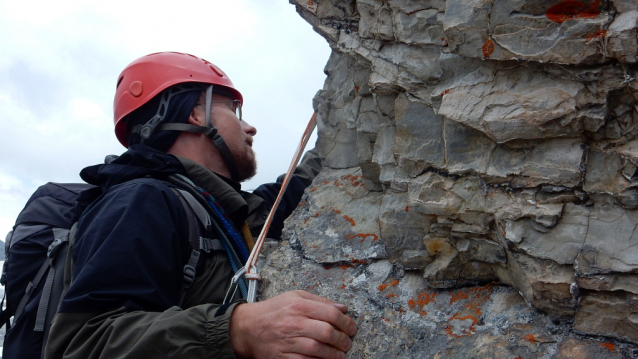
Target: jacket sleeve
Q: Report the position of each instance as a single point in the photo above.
(127, 281)
(302, 177)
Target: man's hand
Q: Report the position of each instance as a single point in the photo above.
(291, 325)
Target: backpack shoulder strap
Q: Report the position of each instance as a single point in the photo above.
(205, 244)
(194, 211)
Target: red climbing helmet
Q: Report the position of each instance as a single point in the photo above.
(149, 75)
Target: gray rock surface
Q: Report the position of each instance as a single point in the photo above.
(479, 197)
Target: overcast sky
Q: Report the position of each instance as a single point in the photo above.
(59, 62)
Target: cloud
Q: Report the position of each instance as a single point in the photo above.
(59, 63)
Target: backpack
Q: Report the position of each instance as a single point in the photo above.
(36, 254)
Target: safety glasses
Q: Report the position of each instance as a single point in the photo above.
(234, 105)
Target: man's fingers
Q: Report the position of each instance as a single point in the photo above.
(342, 307)
(315, 349)
(327, 313)
(292, 324)
(325, 333)
(314, 297)
(332, 316)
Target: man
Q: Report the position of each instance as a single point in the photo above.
(180, 116)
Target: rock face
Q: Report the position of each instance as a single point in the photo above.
(479, 196)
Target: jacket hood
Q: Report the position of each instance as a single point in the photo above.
(138, 162)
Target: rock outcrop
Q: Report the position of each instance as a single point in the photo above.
(480, 190)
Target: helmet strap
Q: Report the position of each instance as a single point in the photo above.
(146, 130)
(209, 99)
(209, 130)
(218, 141)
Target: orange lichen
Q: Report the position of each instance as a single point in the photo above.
(407, 208)
(458, 296)
(336, 211)
(609, 346)
(382, 287)
(443, 93)
(364, 236)
(391, 295)
(572, 9)
(343, 286)
(394, 283)
(597, 35)
(422, 299)
(355, 181)
(313, 190)
(465, 332)
(472, 310)
(488, 48)
(530, 338)
(313, 216)
(349, 220)
(301, 203)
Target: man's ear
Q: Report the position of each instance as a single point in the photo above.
(197, 117)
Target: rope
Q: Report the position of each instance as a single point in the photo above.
(254, 255)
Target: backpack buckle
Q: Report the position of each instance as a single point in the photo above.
(189, 275)
(53, 248)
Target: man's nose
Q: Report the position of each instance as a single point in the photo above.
(248, 128)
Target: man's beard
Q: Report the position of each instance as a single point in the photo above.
(246, 166)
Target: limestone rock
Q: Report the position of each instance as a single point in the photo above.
(601, 311)
(479, 194)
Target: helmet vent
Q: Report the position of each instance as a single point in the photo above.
(119, 81)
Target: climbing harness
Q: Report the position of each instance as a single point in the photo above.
(249, 270)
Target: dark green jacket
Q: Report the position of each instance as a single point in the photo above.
(128, 257)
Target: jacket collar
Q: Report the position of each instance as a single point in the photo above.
(226, 191)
